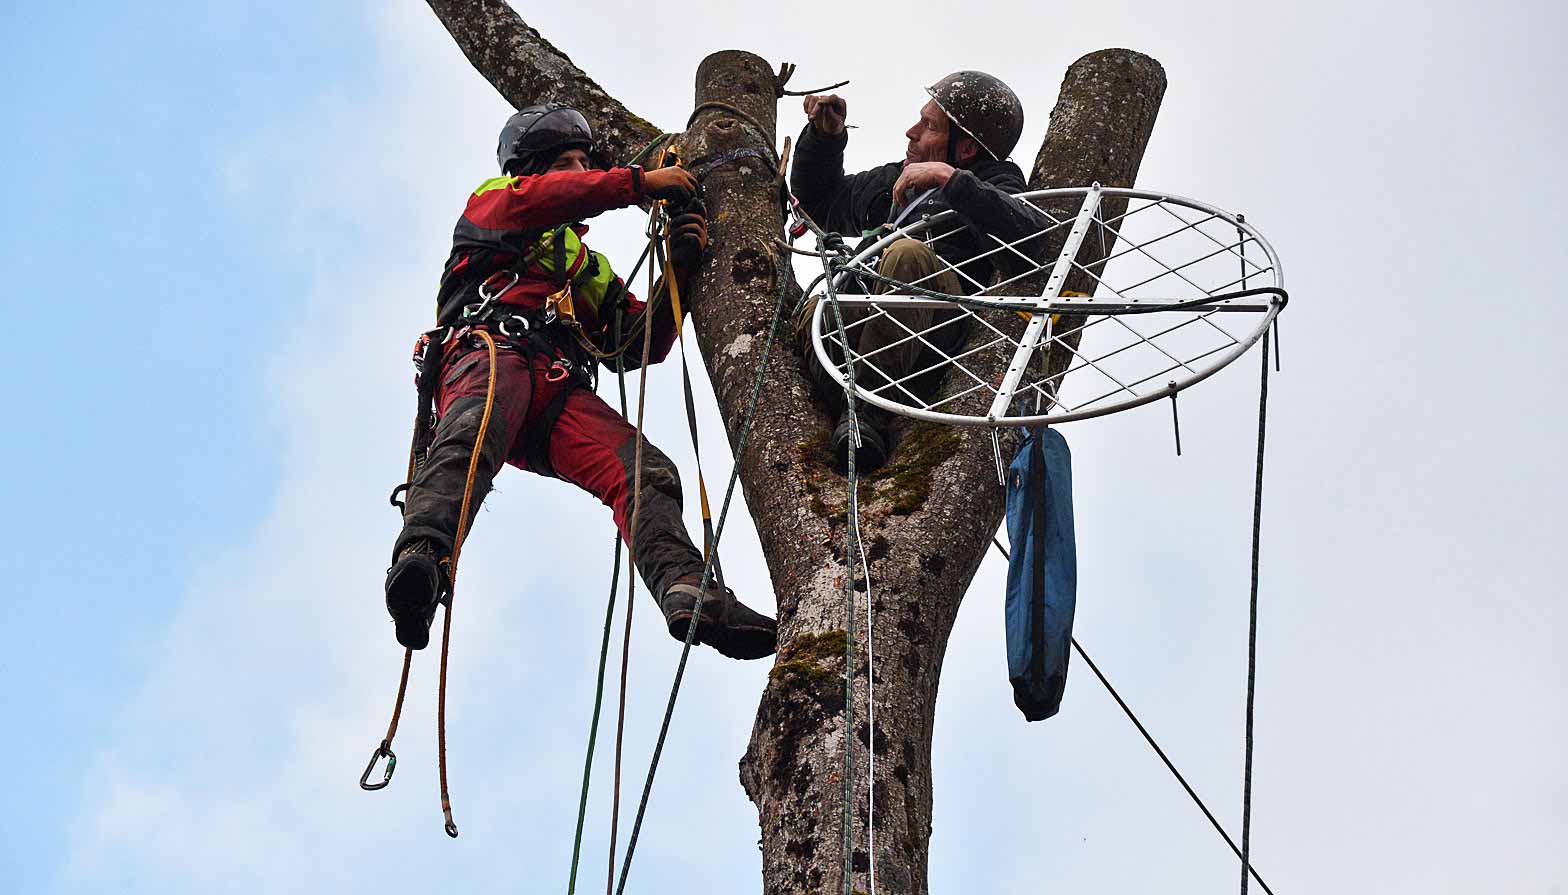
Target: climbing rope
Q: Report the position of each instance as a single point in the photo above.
(760, 132)
(741, 441)
(1252, 620)
(384, 750)
(830, 251)
(851, 537)
(862, 271)
(631, 576)
(1153, 744)
(609, 610)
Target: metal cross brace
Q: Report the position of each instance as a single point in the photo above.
(1053, 290)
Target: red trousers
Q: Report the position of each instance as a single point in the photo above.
(589, 445)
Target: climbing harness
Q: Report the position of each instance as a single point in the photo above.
(523, 331)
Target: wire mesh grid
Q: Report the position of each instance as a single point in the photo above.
(1110, 305)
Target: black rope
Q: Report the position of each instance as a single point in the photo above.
(1252, 622)
(1108, 309)
(707, 575)
(1149, 738)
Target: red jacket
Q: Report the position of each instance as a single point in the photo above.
(501, 227)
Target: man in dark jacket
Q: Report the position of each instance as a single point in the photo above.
(956, 159)
(520, 273)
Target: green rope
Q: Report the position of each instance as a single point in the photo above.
(707, 573)
(593, 726)
(609, 618)
(644, 152)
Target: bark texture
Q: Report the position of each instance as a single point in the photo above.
(926, 517)
(527, 70)
(1100, 127)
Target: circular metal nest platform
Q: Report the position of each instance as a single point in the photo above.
(1125, 297)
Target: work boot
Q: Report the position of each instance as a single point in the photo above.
(873, 446)
(416, 584)
(726, 624)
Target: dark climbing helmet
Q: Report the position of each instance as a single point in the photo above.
(983, 107)
(533, 137)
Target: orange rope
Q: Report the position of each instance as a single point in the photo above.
(457, 549)
(385, 749)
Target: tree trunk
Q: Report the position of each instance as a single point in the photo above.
(926, 517)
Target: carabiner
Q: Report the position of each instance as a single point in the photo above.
(488, 290)
(382, 751)
(519, 320)
(557, 372)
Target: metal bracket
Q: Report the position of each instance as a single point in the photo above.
(1053, 289)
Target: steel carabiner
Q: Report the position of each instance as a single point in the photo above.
(382, 751)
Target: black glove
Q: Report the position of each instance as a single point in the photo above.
(670, 183)
(689, 235)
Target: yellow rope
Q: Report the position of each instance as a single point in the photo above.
(451, 564)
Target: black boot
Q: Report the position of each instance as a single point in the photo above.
(726, 624)
(873, 445)
(416, 584)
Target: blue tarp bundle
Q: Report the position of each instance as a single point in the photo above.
(1042, 575)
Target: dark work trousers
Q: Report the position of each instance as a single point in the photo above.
(890, 353)
(591, 446)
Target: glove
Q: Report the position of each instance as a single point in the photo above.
(689, 235)
(672, 184)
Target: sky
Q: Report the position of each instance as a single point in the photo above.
(223, 227)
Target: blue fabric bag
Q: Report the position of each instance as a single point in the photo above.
(1042, 574)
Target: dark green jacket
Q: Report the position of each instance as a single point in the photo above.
(859, 204)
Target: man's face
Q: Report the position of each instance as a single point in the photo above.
(570, 160)
(928, 137)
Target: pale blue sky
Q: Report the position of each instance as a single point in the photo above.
(222, 229)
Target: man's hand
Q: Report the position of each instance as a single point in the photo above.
(827, 113)
(674, 184)
(689, 235)
(917, 177)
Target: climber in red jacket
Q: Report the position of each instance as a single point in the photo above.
(520, 272)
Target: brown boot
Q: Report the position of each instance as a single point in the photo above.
(726, 624)
(416, 584)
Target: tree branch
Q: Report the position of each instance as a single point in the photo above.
(526, 69)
